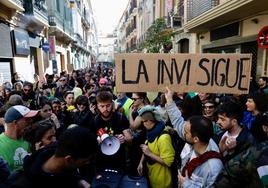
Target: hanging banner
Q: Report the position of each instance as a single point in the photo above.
(52, 47)
(209, 73)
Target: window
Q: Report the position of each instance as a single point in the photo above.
(225, 31)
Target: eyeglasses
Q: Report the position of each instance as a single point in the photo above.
(134, 99)
(208, 107)
(47, 110)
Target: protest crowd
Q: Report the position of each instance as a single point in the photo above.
(51, 134)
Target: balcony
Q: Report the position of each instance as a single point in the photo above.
(38, 9)
(133, 6)
(230, 11)
(196, 8)
(61, 28)
(130, 30)
(85, 19)
(80, 43)
(14, 4)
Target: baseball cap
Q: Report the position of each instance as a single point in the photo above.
(17, 112)
(103, 81)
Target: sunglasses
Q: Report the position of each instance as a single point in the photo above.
(62, 80)
(134, 99)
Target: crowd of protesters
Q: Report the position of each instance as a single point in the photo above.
(49, 134)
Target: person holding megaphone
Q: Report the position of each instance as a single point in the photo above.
(110, 123)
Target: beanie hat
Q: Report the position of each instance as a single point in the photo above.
(103, 81)
(151, 113)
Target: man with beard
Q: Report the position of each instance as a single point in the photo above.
(234, 139)
(115, 124)
(13, 148)
(200, 156)
(263, 87)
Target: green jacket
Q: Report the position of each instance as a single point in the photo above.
(247, 169)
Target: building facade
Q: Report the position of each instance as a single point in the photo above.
(45, 36)
(228, 26)
(24, 27)
(106, 50)
(206, 26)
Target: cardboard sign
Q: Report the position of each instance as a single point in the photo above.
(208, 73)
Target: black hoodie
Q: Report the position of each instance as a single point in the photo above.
(34, 176)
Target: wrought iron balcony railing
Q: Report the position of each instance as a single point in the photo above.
(36, 8)
(19, 2)
(196, 8)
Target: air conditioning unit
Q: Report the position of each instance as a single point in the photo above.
(168, 21)
(176, 21)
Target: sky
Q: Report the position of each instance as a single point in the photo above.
(107, 14)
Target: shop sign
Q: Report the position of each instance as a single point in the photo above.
(45, 47)
(21, 42)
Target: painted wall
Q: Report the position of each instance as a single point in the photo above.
(253, 25)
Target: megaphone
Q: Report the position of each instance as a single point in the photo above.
(109, 144)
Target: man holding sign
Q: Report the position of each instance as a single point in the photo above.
(200, 157)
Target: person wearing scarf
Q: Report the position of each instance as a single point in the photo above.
(158, 152)
(200, 158)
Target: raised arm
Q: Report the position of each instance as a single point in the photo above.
(174, 114)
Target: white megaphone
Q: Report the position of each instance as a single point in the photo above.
(109, 144)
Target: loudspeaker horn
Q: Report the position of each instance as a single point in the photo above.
(109, 144)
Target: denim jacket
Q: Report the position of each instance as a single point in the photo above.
(205, 174)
